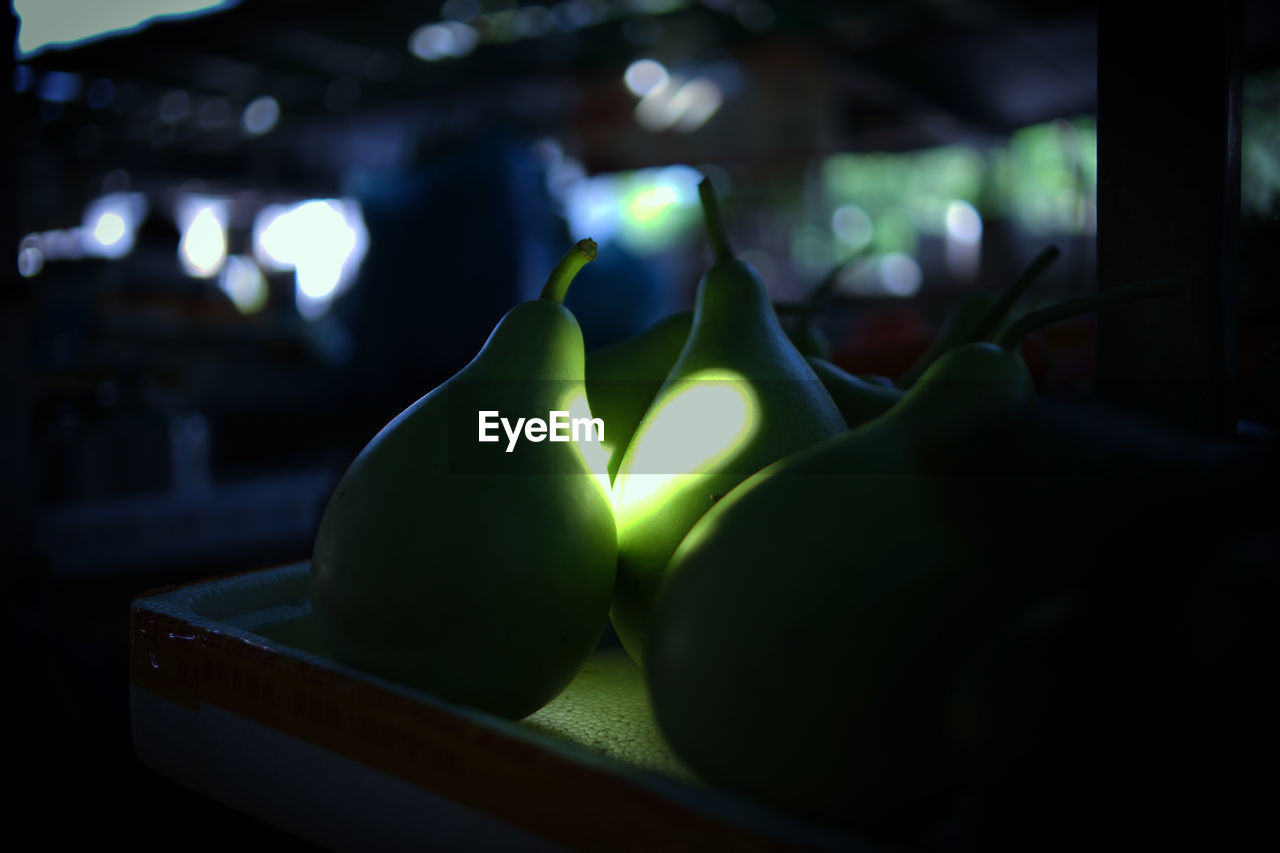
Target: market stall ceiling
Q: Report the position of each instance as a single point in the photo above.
(894, 75)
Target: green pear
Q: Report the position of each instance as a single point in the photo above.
(809, 339)
(806, 617)
(738, 397)
(479, 571)
(859, 399)
(799, 646)
(877, 379)
(623, 377)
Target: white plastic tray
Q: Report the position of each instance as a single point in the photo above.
(231, 697)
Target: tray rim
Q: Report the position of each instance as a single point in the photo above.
(182, 655)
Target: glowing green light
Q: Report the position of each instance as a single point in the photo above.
(649, 204)
(692, 429)
(593, 451)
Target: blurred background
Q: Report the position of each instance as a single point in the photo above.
(247, 234)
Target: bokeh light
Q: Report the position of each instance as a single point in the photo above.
(900, 274)
(110, 223)
(322, 240)
(244, 284)
(852, 226)
(260, 116)
(447, 39)
(202, 220)
(645, 75)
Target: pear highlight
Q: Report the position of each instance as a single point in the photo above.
(623, 378)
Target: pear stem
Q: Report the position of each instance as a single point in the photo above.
(1013, 334)
(823, 291)
(579, 255)
(990, 321)
(716, 236)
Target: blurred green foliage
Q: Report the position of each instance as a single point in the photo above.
(1043, 179)
(1260, 146)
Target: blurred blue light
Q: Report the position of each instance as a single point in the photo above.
(110, 224)
(592, 206)
(440, 41)
(260, 116)
(23, 79)
(60, 87)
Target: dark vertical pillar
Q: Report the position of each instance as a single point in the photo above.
(16, 474)
(1169, 207)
